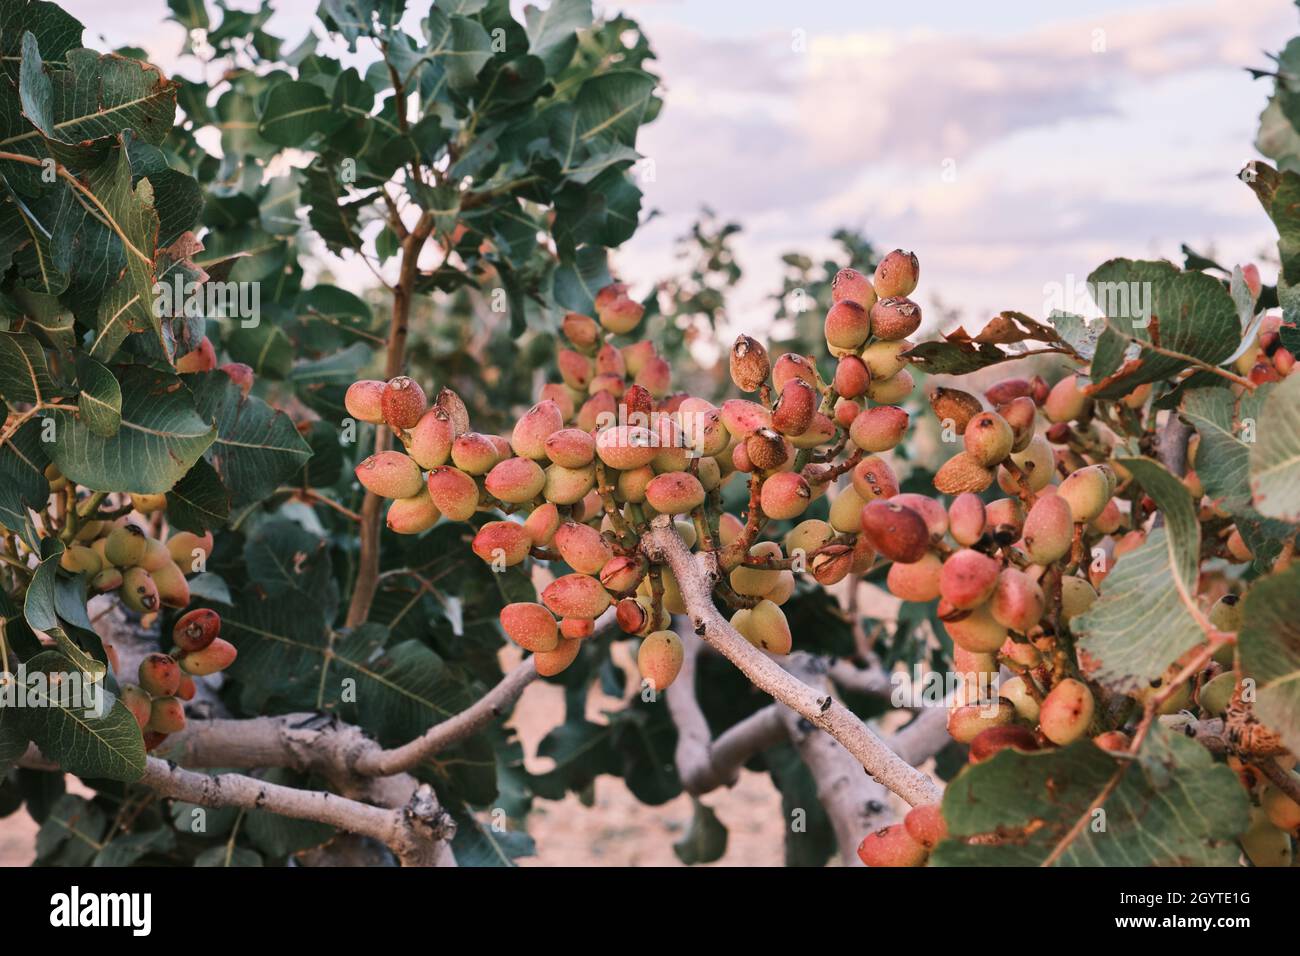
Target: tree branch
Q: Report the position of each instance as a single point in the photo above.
(695, 577)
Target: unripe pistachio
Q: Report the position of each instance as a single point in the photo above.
(767, 629)
(1005, 519)
(968, 578)
(636, 355)
(785, 495)
(970, 664)
(531, 431)
(790, 366)
(576, 369)
(149, 504)
(993, 739)
(1007, 389)
(709, 473)
(623, 573)
(1066, 712)
(852, 377)
(743, 418)
(203, 358)
(853, 286)
(390, 474)
(515, 480)
(846, 511)
(885, 359)
(609, 361)
(617, 312)
(403, 402)
(1087, 492)
(156, 556)
(1215, 695)
(576, 595)
(454, 407)
(966, 722)
(988, 438)
(845, 412)
(429, 443)
(138, 591)
(1049, 530)
(966, 518)
(756, 581)
(531, 626)
(925, 824)
(562, 396)
(569, 486)
(125, 546)
(873, 478)
(1264, 844)
(542, 523)
(847, 325)
(931, 511)
(1021, 414)
(879, 429)
(1066, 401)
(703, 428)
(1281, 810)
(749, 364)
(570, 447)
(110, 579)
(581, 330)
(1036, 461)
(364, 401)
(638, 401)
(794, 408)
(891, 846)
(961, 474)
(887, 391)
(1226, 613)
(1016, 690)
(1110, 520)
(634, 616)
(625, 447)
(659, 659)
(160, 675)
(550, 663)
(502, 541)
(217, 656)
(1024, 654)
(784, 590)
(196, 629)
(137, 701)
(676, 492)
(474, 454)
(897, 274)
(582, 547)
(820, 431)
(1018, 601)
(173, 591)
(632, 484)
(895, 531)
(895, 318)
(1113, 741)
(833, 563)
(955, 406)
(1237, 547)
(808, 536)
(656, 376)
(597, 411)
(166, 715)
(975, 630)
(613, 384)
(453, 492)
(918, 581)
(81, 560)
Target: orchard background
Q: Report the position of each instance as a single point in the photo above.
(322, 362)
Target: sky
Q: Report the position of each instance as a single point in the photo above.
(1013, 145)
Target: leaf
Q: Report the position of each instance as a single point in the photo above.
(479, 845)
(1269, 644)
(295, 111)
(706, 839)
(22, 475)
(1188, 315)
(278, 836)
(1139, 623)
(108, 746)
(24, 374)
(199, 501)
(1184, 529)
(1223, 457)
(72, 833)
(551, 32)
(1174, 807)
(575, 284)
(1275, 459)
(129, 848)
(228, 856)
(160, 438)
(460, 45)
(13, 737)
(256, 447)
(99, 397)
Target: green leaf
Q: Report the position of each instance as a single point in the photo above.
(129, 848)
(460, 45)
(1175, 806)
(1223, 456)
(199, 501)
(228, 856)
(706, 839)
(1269, 643)
(256, 447)
(160, 438)
(1275, 459)
(72, 833)
(191, 14)
(1139, 623)
(24, 374)
(1184, 529)
(22, 475)
(1188, 315)
(478, 845)
(99, 397)
(108, 746)
(13, 737)
(295, 111)
(551, 32)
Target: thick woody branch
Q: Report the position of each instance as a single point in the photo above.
(696, 576)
